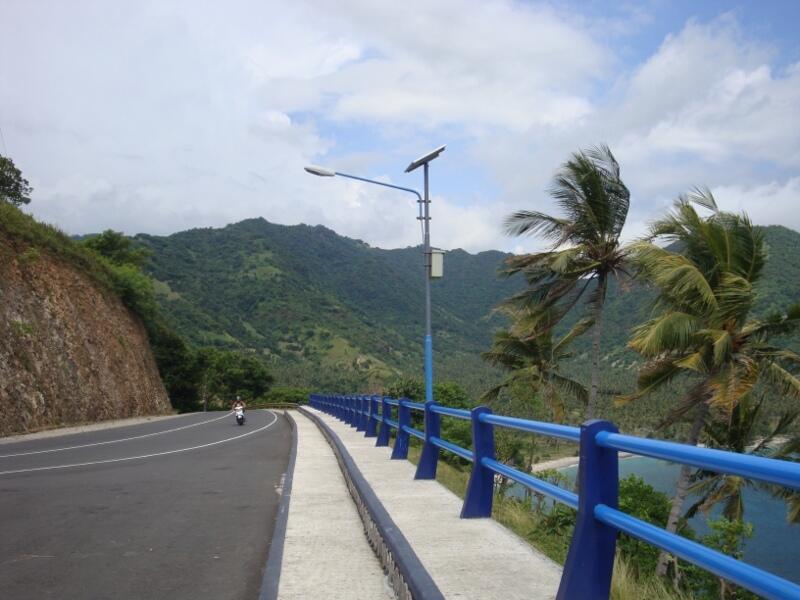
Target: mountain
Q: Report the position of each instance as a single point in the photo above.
(329, 311)
(325, 308)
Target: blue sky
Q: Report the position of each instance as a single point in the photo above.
(161, 116)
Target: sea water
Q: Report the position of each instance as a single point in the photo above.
(775, 545)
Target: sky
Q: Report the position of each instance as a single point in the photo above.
(161, 116)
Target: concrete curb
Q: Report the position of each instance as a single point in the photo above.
(272, 570)
(409, 578)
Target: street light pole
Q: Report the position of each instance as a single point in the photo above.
(425, 217)
(428, 335)
(424, 162)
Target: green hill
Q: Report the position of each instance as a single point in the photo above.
(323, 308)
(329, 311)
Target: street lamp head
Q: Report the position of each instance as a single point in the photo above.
(424, 159)
(319, 171)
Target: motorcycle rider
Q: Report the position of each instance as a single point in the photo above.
(238, 403)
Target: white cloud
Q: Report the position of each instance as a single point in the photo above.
(772, 203)
(158, 116)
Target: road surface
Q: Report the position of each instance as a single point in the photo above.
(180, 508)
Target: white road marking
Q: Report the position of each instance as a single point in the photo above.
(135, 437)
(114, 460)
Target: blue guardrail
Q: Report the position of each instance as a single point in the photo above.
(590, 560)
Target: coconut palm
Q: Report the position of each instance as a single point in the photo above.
(585, 250)
(701, 326)
(788, 450)
(736, 434)
(533, 360)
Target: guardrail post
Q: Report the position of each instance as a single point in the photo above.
(400, 450)
(386, 430)
(426, 468)
(480, 489)
(590, 561)
(372, 417)
(362, 426)
(351, 411)
(361, 421)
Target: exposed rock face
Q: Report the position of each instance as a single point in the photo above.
(70, 351)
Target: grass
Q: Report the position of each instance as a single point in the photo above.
(20, 226)
(626, 586)
(22, 328)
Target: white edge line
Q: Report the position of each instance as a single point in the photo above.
(135, 437)
(114, 460)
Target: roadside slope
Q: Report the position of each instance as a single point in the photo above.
(70, 351)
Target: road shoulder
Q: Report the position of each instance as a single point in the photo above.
(72, 429)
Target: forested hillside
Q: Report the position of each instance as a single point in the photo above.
(329, 311)
(324, 309)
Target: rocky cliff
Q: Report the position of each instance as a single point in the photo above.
(70, 351)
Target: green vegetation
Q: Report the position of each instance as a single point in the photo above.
(194, 377)
(326, 312)
(585, 252)
(702, 327)
(14, 188)
(700, 344)
(191, 376)
(534, 361)
(341, 315)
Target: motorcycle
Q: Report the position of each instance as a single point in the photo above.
(239, 413)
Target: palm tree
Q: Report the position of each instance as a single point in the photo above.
(789, 450)
(701, 328)
(736, 434)
(533, 360)
(585, 247)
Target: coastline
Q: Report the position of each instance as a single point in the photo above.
(565, 462)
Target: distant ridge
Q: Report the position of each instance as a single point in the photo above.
(324, 308)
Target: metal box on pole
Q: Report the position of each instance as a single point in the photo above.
(437, 263)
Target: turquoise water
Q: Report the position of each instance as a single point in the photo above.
(775, 545)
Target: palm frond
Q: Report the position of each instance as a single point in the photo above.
(531, 222)
(783, 380)
(653, 376)
(576, 331)
(570, 386)
(671, 331)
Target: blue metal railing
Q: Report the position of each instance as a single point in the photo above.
(590, 560)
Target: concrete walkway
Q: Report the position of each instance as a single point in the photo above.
(326, 553)
(467, 558)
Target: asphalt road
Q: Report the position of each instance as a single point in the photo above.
(180, 508)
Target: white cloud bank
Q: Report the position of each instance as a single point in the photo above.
(159, 117)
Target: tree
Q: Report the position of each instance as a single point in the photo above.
(532, 359)
(639, 499)
(239, 375)
(701, 326)
(736, 434)
(117, 248)
(585, 250)
(789, 450)
(728, 537)
(14, 188)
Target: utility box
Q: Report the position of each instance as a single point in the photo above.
(437, 263)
